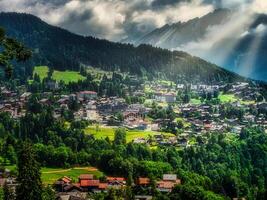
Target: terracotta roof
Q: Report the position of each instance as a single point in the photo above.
(66, 179)
(86, 177)
(89, 183)
(143, 181)
(111, 179)
(102, 185)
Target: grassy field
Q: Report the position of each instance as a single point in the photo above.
(42, 71)
(103, 132)
(195, 101)
(50, 175)
(66, 76)
(224, 98)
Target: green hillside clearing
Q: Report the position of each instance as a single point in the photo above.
(65, 76)
(103, 132)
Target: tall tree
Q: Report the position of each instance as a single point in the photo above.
(8, 193)
(29, 176)
(120, 136)
(11, 50)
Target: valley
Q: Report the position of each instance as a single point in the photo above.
(83, 118)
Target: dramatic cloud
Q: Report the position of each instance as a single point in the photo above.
(117, 19)
(111, 19)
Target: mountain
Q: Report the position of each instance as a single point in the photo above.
(63, 50)
(174, 35)
(223, 37)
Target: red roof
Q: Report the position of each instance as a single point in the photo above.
(76, 184)
(111, 179)
(102, 185)
(89, 183)
(208, 126)
(143, 181)
(66, 179)
(86, 177)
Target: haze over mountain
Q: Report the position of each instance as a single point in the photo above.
(63, 50)
(234, 40)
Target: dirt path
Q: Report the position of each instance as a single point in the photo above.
(66, 170)
(57, 171)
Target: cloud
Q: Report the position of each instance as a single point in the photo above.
(110, 19)
(117, 19)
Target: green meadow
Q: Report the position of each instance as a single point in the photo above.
(225, 98)
(195, 101)
(103, 132)
(41, 71)
(50, 175)
(65, 76)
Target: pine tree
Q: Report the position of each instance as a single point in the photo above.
(8, 193)
(12, 50)
(29, 177)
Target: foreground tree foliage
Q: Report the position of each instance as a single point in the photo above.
(29, 176)
(11, 50)
(9, 194)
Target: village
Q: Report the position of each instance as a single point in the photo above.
(185, 122)
(193, 119)
(85, 184)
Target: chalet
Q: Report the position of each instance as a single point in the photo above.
(180, 86)
(165, 97)
(87, 95)
(116, 182)
(25, 96)
(139, 140)
(208, 126)
(52, 85)
(88, 183)
(111, 105)
(71, 196)
(61, 183)
(168, 182)
(143, 181)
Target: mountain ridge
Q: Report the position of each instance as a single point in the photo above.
(183, 35)
(61, 49)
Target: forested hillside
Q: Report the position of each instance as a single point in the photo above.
(63, 50)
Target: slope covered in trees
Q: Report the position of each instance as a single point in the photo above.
(62, 50)
(231, 166)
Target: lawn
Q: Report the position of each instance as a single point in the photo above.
(66, 76)
(225, 98)
(103, 132)
(195, 101)
(50, 175)
(42, 71)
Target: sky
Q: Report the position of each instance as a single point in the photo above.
(119, 19)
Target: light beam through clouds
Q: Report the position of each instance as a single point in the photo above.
(247, 63)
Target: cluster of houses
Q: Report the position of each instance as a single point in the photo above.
(88, 183)
(201, 118)
(13, 102)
